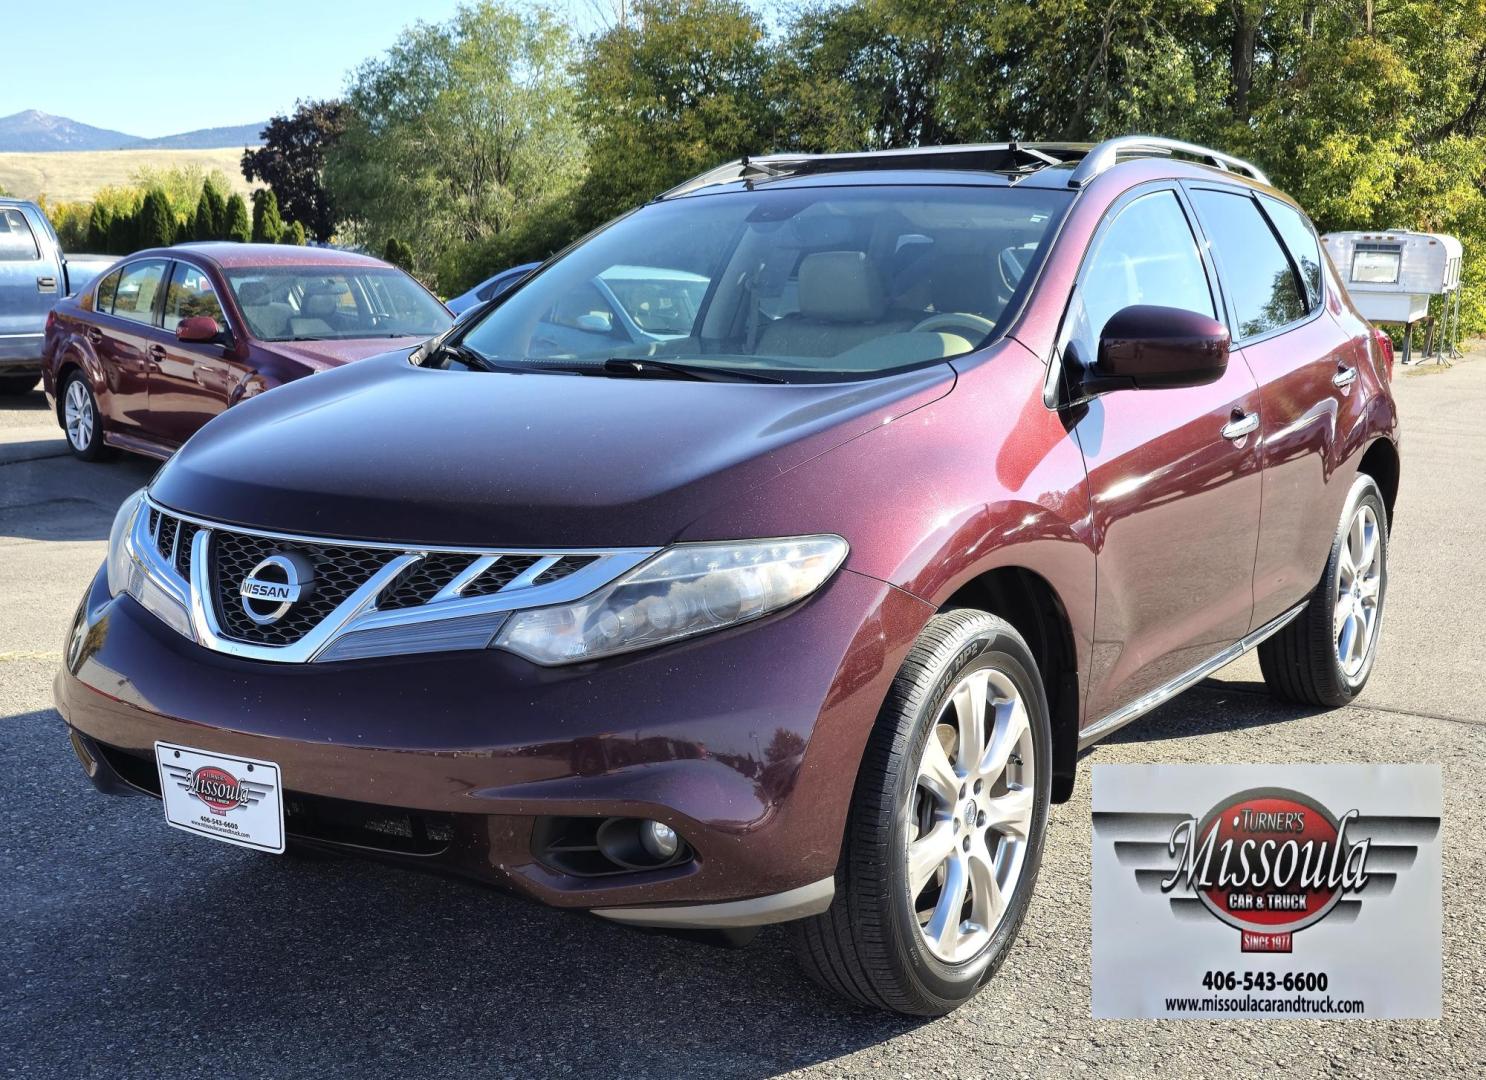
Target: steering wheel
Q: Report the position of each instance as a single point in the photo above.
(946, 320)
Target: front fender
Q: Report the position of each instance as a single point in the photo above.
(981, 479)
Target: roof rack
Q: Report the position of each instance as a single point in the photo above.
(1012, 159)
(1107, 154)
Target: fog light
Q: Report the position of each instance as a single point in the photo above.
(660, 840)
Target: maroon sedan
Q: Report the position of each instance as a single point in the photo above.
(170, 337)
(931, 469)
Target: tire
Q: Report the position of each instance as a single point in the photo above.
(16, 385)
(81, 420)
(1303, 663)
(870, 946)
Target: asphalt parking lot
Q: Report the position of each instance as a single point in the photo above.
(130, 949)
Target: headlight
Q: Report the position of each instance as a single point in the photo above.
(128, 572)
(120, 557)
(686, 590)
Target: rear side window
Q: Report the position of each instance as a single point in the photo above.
(1260, 281)
(106, 290)
(1147, 255)
(139, 284)
(1300, 240)
(17, 244)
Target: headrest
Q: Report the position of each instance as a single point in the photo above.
(840, 286)
(963, 282)
(317, 305)
(253, 293)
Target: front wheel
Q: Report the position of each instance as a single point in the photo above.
(946, 827)
(1325, 655)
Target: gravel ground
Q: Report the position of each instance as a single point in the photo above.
(130, 949)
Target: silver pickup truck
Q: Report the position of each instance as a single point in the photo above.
(34, 274)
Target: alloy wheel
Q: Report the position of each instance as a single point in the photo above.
(77, 415)
(1359, 576)
(970, 814)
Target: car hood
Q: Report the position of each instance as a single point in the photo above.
(384, 450)
(320, 355)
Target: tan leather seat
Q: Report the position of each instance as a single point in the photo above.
(841, 306)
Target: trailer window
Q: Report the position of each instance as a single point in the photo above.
(1376, 264)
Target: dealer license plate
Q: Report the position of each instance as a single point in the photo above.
(235, 800)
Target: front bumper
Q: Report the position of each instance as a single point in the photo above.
(745, 741)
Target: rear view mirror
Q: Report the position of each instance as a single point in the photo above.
(1145, 347)
(197, 328)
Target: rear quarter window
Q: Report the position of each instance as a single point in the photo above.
(1300, 240)
(1261, 285)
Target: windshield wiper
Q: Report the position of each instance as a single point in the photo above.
(476, 361)
(647, 368)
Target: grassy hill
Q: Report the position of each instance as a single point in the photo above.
(66, 176)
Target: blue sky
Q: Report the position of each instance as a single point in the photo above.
(153, 69)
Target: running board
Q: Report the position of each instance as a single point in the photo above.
(1162, 694)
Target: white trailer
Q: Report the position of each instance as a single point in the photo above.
(1393, 275)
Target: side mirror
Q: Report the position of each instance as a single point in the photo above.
(595, 322)
(199, 328)
(1145, 347)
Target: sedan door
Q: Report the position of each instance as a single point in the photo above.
(1174, 476)
(122, 332)
(191, 382)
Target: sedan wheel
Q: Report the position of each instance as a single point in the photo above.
(80, 419)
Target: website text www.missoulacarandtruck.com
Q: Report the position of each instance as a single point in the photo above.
(1248, 1005)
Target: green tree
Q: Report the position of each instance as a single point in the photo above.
(156, 220)
(211, 213)
(203, 219)
(458, 132)
(237, 225)
(98, 222)
(268, 226)
(294, 234)
(291, 162)
(674, 89)
(397, 253)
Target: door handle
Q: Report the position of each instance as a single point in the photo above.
(157, 352)
(1241, 424)
(46, 283)
(1344, 376)
(95, 335)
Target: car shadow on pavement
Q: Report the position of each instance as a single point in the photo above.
(199, 952)
(1214, 705)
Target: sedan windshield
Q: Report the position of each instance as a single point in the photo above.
(817, 282)
(310, 303)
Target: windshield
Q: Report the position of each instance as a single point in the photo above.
(798, 283)
(310, 303)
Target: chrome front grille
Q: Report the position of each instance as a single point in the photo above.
(363, 599)
(339, 571)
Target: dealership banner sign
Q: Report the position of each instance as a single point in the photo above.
(1267, 891)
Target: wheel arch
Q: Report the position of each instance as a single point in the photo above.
(1029, 602)
(1381, 462)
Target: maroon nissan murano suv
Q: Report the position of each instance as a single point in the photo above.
(770, 555)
